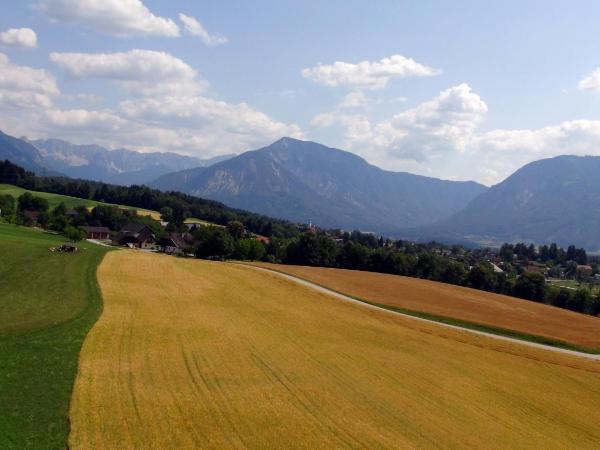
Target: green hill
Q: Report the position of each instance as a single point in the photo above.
(48, 302)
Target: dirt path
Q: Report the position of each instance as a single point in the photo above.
(455, 327)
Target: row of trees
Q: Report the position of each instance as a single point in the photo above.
(319, 249)
(544, 253)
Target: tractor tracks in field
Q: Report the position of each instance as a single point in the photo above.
(365, 304)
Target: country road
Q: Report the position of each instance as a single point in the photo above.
(340, 296)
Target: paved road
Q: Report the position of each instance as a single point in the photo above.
(456, 327)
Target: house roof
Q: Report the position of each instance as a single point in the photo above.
(174, 240)
(133, 227)
(96, 229)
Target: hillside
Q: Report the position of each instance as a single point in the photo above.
(22, 153)
(224, 356)
(305, 181)
(467, 307)
(551, 200)
(73, 202)
(119, 166)
(48, 302)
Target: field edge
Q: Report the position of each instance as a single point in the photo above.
(474, 326)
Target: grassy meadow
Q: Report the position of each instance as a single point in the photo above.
(48, 302)
(197, 354)
(472, 308)
(73, 202)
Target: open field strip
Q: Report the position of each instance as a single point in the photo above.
(48, 302)
(73, 202)
(336, 294)
(198, 354)
(499, 314)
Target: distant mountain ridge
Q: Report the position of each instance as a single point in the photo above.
(550, 200)
(119, 166)
(22, 153)
(305, 181)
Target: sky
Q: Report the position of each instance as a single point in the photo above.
(463, 90)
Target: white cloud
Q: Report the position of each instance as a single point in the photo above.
(25, 87)
(590, 82)
(440, 126)
(354, 99)
(367, 74)
(142, 72)
(18, 37)
(167, 112)
(443, 124)
(440, 138)
(121, 18)
(195, 28)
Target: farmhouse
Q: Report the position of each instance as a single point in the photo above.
(535, 267)
(584, 270)
(173, 244)
(96, 232)
(136, 235)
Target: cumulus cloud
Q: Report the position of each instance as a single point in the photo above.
(440, 137)
(24, 86)
(439, 126)
(367, 74)
(443, 124)
(121, 18)
(193, 27)
(590, 82)
(169, 111)
(18, 37)
(143, 72)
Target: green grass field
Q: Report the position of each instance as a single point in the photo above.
(72, 202)
(48, 303)
(53, 199)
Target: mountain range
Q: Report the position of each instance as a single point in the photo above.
(93, 162)
(120, 166)
(305, 181)
(550, 200)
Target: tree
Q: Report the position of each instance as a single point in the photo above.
(166, 214)
(530, 286)
(580, 300)
(236, 229)
(7, 205)
(215, 242)
(428, 266)
(29, 202)
(312, 249)
(507, 252)
(454, 273)
(59, 210)
(482, 277)
(74, 233)
(595, 305)
(353, 256)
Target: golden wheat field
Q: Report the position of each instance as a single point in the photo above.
(456, 302)
(196, 354)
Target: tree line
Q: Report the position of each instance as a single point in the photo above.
(181, 205)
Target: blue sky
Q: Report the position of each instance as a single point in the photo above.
(457, 90)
